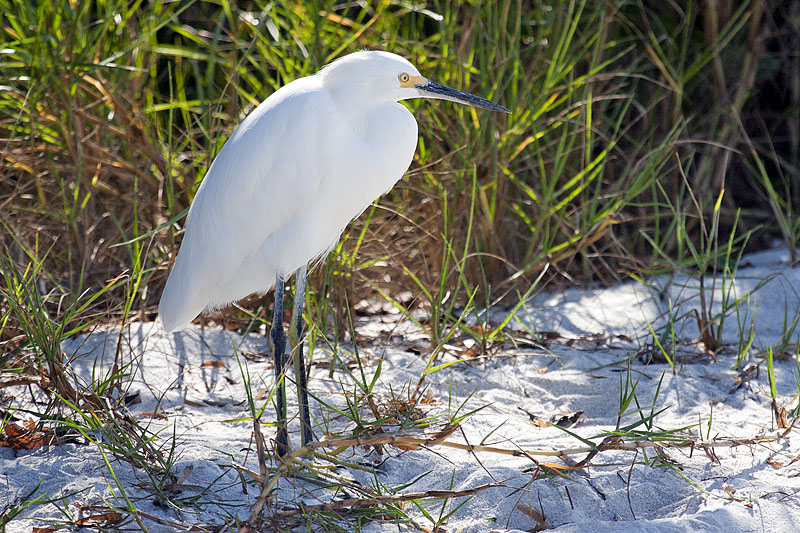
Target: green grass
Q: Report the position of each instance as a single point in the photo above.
(112, 113)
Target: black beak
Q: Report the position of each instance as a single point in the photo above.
(434, 90)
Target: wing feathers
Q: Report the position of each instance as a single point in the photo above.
(252, 189)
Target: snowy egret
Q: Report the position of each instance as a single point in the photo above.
(283, 188)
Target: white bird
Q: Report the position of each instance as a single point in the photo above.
(282, 189)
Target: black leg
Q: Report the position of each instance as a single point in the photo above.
(297, 354)
(279, 354)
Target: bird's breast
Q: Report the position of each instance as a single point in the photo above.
(353, 166)
(360, 164)
(386, 141)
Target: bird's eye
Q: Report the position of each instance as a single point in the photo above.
(404, 77)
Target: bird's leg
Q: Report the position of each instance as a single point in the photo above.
(296, 340)
(279, 354)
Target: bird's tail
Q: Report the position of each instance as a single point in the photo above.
(178, 307)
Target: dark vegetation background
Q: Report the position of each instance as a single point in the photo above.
(644, 136)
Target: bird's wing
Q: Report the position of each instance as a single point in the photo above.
(267, 172)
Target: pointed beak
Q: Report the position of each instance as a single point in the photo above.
(430, 89)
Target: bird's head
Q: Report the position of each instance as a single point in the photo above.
(385, 77)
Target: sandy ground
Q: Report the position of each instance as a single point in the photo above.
(194, 379)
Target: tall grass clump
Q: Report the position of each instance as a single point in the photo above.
(111, 112)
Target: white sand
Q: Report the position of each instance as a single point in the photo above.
(741, 492)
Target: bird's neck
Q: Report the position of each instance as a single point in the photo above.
(368, 119)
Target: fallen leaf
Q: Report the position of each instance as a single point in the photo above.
(708, 340)
(153, 414)
(100, 520)
(748, 373)
(568, 420)
(472, 351)
(780, 415)
(478, 330)
(23, 438)
(428, 398)
(534, 514)
(538, 422)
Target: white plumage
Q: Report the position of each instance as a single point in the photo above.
(301, 166)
